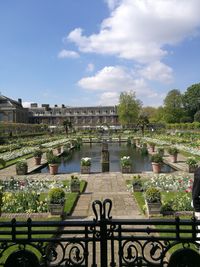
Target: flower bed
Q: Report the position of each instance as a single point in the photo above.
(31, 196)
(175, 192)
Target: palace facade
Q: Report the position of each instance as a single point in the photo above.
(12, 111)
(80, 117)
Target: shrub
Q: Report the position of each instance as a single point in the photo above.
(37, 153)
(56, 196)
(153, 194)
(160, 150)
(191, 161)
(53, 159)
(173, 150)
(21, 165)
(125, 161)
(86, 161)
(157, 158)
(74, 180)
(137, 180)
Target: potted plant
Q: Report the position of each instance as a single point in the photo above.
(173, 152)
(153, 200)
(85, 165)
(75, 184)
(156, 161)
(126, 164)
(53, 162)
(161, 151)
(58, 149)
(37, 156)
(56, 198)
(137, 183)
(21, 167)
(192, 164)
(151, 146)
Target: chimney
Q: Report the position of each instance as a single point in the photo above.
(63, 106)
(20, 100)
(34, 105)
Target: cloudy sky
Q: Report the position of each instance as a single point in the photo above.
(85, 52)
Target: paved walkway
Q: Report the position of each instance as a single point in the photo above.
(100, 186)
(107, 185)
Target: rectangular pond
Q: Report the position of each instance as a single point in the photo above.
(139, 162)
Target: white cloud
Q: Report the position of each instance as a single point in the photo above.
(139, 29)
(68, 54)
(26, 104)
(114, 79)
(109, 98)
(157, 71)
(90, 67)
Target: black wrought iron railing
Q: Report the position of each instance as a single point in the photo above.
(102, 241)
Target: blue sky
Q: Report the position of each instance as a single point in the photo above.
(85, 52)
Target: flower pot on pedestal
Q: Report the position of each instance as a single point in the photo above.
(75, 184)
(21, 167)
(56, 201)
(156, 161)
(173, 152)
(56, 209)
(156, 167)
(153, 201)
(153, 208)
(37, 156)
(37, 160)
(173, 158)
(126, 169)
(85, 165)
(53, 169)
(192, 169)
(85, 169)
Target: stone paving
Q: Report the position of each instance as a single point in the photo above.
(99, 187)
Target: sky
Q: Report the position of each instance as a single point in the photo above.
(86, 52)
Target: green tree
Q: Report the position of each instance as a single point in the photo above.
(142, 122)
(191, 100)
(128, 108)
(67, 125)
(173, 106)
(150, 112)
(159, 115)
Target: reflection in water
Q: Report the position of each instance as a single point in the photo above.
(139, 163)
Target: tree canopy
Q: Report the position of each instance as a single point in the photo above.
(128, 108)
(173, 106)
(191, 100)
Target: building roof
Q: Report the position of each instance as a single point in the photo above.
(8, 102)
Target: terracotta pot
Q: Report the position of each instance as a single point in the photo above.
(53, 169)
(173, 158)
(38, 160)
(156, 167)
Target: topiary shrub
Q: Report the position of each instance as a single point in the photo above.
(56, 196)
(153, 195)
